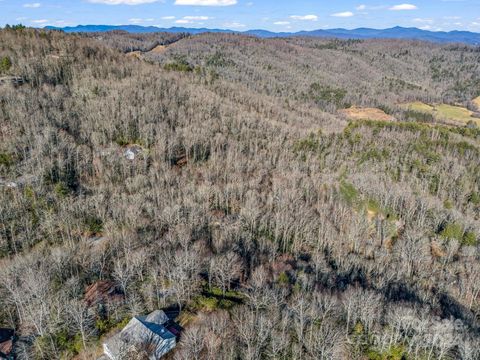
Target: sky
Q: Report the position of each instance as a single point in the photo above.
(274, 15)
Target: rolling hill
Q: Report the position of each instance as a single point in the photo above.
(360, 33)
(274, 191)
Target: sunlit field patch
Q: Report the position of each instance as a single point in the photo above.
(445, 112)
(355, 113)
(476, 101)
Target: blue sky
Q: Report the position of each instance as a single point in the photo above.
(276, 15)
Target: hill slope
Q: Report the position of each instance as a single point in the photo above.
(219, 177)
(356, 72)
(361, 33)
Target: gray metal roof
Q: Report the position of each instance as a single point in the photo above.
(143, 330)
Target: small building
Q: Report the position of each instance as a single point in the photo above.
(133, 151)
(149, 334)
(7, 338)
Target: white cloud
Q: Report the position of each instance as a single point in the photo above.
(420, 20)
(139, 21)
(168, 17)
(32, 5)
(281, 23)
(196, 18)
(343, 14)
(192, 19)
(304, 17)
(234, 25)
(41, 21)
(361, 7)
(122, 2)
(206, 2)
(401, 7)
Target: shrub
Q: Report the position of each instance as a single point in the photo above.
(283, 279)
(61, 189)
(180, 64)
(447, 204)
(102, 325)
(395, 352)
(419, 116)
(205, 303)
(6, 159)
(348, 192)
(325, 94)
(373, 205)
(218, 59)
(5, 64)
(94, 225)
(122, 141)
(216, 291)
(474, 198)
(469, 239)
(310, 143)
(178, 67)
(373, 154)
(386, 109)
(59, 341)
(452, 231)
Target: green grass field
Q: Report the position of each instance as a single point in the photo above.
(420, 106)
(445, 112)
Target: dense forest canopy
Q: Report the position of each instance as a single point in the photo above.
(219, 174)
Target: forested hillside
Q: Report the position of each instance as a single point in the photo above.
(222, 176)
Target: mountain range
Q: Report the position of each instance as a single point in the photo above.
(397, 32)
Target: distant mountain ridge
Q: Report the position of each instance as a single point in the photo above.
(397, 32)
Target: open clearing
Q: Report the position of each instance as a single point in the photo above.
(355, 113)
(135, 54)
(420, 106)
(446, 112)
(477, 102)
(158, 49)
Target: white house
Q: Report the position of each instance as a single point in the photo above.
(145, 333)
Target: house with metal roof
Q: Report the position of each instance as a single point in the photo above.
(7, 338)
(149, 334)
